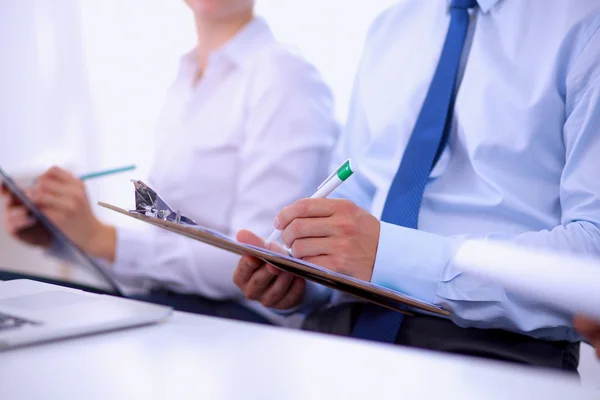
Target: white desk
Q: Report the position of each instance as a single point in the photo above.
(206, 358)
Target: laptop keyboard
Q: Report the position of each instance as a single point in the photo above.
(9, 322)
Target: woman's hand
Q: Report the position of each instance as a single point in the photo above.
(19, 224)
(63, 199)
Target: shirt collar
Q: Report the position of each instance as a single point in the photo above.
(244, 44)
(486, 5)
(238, 49)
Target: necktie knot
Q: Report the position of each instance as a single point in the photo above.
(464, 4)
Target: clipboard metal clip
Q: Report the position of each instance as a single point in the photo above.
(150, 204)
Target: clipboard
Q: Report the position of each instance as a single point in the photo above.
(365, 290)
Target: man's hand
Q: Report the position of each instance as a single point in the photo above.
(265, 283)
(335, 234)
(19, 224)
(591, 330)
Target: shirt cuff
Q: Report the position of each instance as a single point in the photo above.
(411, 261)
(129, 249)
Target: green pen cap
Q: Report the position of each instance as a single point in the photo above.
(345, 171)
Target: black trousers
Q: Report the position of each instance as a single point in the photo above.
(180, 302)
(443, 335)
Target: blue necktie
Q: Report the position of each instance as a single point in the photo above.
(425, 144)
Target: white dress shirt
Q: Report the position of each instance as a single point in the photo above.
(253, 136)
(522, 162)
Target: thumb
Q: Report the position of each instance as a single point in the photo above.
(247, 237)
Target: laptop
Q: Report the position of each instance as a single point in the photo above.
(33, 312)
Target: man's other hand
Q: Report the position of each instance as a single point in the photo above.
(263, 282)
(591, 330)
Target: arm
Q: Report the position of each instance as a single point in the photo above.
(285, 155)
(427, 271)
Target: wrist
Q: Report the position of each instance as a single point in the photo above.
(103, 242)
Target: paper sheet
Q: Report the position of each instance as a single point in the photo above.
(564, 282)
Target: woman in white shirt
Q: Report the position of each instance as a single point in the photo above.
(247, 128)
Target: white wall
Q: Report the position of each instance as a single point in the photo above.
(44, 103)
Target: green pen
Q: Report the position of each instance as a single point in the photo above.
(106, 172)
(337, 177)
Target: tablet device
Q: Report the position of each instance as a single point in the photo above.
(71, 251)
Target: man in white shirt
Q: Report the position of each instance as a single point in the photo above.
(469, 119)
(247, 128)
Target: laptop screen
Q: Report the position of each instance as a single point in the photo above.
(72, 252)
